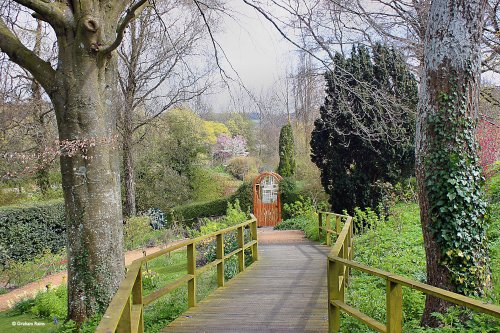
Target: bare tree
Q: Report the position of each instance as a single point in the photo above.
(157, 73)
(28, 119)
(82, 88)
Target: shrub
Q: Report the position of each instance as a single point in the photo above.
(51, 303)
(46, 304)
(10, 196)
(244, 195)
(240, 166)
(307, 223)
(138, 233)
(189, 213)
(289, 191)
(301, 207)
(366, 219)
(286, 167)
(156, 218)
(27, 231)
(18, 273)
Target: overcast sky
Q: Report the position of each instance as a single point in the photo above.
(255, 49)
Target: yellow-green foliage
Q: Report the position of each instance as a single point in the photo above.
(208, 184)
(213, 129)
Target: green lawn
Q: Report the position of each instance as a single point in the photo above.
(397, 246)
(7, 321)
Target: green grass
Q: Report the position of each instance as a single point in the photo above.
(7, 318)
(397, 246)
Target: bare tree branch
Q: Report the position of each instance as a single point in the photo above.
(50, 12)
(41, 70)
(131, 13)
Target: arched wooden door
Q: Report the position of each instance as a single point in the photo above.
(267, 199)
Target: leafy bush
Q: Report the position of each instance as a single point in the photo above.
(18, 273)
(366, 219)
(46, 304)
(157, 218)
(10, 196)
(307, 223)
(289, 191)
(138, 233)
(51, 303)
(406, 191)
(301, 207)
(189, 213)
(27, 231)
(240, 166)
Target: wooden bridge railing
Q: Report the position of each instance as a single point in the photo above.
(125, 313)
(339, 264)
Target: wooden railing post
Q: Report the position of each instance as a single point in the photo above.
(345, 255)
(125, 323)
(137, 300)
(335, 293)
(394, 298)
(338, 224)
(255, 247)
(328, 227)
(241, 254)
(191, 269)
(320, 226)
(220, 256)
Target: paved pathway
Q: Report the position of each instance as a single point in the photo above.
(285, 291)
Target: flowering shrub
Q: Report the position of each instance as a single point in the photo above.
(227, 147)
(488, 135)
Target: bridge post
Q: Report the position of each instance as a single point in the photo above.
(255, 247)
(241, 254)
(335, 293)
(125, 323)
(328, 227)
(320, 226)
(338, 225)
(220, 256)
(394, 298)
(137, 299)
(191, 269)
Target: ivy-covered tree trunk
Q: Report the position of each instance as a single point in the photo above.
(449, 179)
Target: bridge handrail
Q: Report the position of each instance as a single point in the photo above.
(339, 265)
(125, 312)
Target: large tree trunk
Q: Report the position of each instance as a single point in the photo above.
(449, 86)
(83, 100)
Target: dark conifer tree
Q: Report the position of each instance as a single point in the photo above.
(365, 134)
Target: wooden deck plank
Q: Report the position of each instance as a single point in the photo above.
(285, 291)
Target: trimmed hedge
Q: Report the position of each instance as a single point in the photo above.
(27, 230)
(189, 213)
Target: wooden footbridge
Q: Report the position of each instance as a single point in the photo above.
(293, 287)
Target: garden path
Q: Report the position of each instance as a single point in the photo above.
(285, 291)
